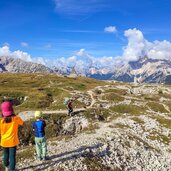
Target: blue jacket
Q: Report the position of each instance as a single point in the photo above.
(39, 128)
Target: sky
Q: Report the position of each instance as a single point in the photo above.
(103, 30)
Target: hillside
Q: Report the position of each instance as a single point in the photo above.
(42, 91)
(116, 126)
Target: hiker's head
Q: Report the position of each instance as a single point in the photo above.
(7, 109)
(38, 114)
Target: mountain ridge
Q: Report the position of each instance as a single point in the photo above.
(16, 65)
(144, 69)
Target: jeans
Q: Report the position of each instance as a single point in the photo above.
(10, 157)
(41, 147)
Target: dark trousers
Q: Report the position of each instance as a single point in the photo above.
(70, 110)
(10, 157)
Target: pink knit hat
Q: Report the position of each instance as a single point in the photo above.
(7, 109)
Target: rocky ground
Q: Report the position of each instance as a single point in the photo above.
(112, 149)
(123, 127)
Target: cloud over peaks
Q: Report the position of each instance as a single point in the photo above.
(82, 53)
(5, 51)
(138, 46)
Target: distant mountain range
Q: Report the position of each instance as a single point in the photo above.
(143, 70)
(16, 65)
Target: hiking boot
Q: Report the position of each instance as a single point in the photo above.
(44, 158)
(39, 158)
(69, 114)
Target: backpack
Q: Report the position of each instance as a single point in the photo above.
(66, 101)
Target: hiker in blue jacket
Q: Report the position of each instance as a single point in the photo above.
(40, 138)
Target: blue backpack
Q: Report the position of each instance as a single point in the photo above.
(66, 101)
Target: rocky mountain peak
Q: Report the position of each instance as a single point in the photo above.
(16, 65)
(145, 69)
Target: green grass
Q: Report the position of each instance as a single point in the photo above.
(92, 114)
(53, 128)
(130, 109)
(164, 122)
(17, 96)
(1, 166)
(160, 92)
(58, 98)
(165, 95)
(116, 91)
(94, 163)
(26, 154)
(97, 92)
(112, 97)
(138, 120)
(168, 104)
(41, 89)
(54, 124)
(91, 128)
(157, 107)
(119, 125)
(139, 141)
(26, 135)
(159, 137)
(154, 98)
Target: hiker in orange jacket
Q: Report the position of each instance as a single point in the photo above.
(9, 134)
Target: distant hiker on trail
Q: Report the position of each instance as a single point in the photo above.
(68, 102)
(70, 107)
(9, 124)
(40, 138)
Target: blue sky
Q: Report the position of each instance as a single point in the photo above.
(57, 28)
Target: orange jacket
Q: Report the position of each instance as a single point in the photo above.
(9, 132)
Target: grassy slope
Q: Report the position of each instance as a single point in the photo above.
(41, 90)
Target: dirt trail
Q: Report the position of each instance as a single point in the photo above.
(26, 115)
(93, 101)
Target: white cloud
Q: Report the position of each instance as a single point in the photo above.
(83, 61)
(160, 50)
(24, 44)
(139, 46)
(40, 60)
(110, 29)
(4, 51)
(82, 53)
(136, 46)
(22, 55)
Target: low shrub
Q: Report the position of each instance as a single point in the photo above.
(157, 107)
(131, 109)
